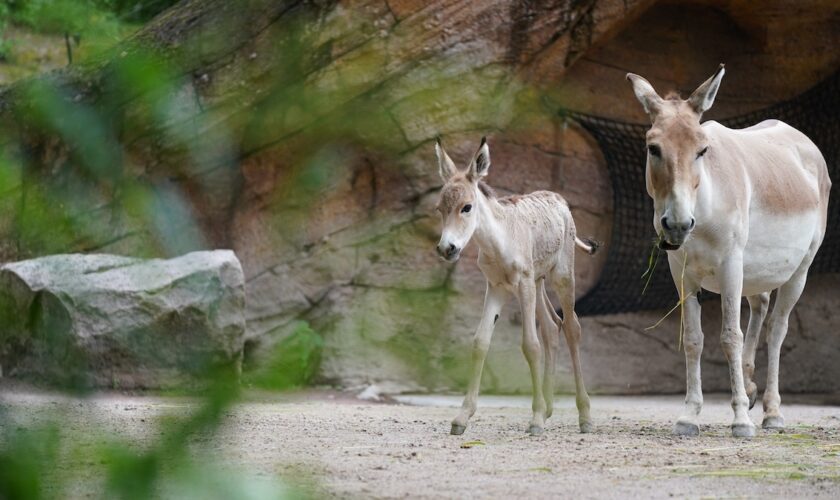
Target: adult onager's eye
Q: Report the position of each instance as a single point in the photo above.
(466, 209)
(702, 151)
(654, 150)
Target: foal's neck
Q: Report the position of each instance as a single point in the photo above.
(489, 231)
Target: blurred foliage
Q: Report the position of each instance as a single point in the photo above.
(125, 158)
(90, 26)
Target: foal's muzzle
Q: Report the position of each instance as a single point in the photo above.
(450, 252)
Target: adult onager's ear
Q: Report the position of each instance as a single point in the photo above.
(645, 94)
(480, 163)
(703, 98)
(446, 167)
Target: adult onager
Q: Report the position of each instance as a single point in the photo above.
(524, 242)
(742, 212)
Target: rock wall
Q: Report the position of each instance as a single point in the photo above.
(348, 246)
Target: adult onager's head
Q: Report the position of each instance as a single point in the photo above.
(458, 198)
(676, 147)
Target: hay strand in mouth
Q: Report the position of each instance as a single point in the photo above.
(678, 304)
(682, 301)
(653, 258)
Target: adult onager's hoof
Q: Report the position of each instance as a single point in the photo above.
(773, 423)
(743, 430)
(685, 428)
(752, 393)
(753, 397)
(535, 430)
(585, 427)
(457, 429)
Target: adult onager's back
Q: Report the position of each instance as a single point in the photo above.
(524, 242)
(743, 212)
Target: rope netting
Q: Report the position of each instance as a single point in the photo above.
(619, 288)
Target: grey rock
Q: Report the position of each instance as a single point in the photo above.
(111, 321)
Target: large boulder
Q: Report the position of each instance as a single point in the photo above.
(111, 321)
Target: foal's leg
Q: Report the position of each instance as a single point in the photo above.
(758, 310)
(550, 340)
(565, 288)
(786, 297)
(732, 342)
(532, 350)
(687, 424)
(494, 299)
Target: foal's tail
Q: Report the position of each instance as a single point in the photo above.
(588, 245)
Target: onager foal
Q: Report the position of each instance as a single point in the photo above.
(524, 242)
(742, 213)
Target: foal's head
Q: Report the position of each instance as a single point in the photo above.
(676, 146)
(458, 199)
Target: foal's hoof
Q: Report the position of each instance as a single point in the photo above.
(585, 427)
(535, 430)
(773, 423)
(457, 429)
(743, 430)
(683, 428)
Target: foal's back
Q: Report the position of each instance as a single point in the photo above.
(542, 221)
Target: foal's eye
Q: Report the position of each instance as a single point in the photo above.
(466, 209)
(654, 150)
(702, 152)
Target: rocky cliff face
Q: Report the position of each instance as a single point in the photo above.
(302, 139)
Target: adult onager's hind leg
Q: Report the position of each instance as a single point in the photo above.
(786, 297)
(494, 299)
(533, 351)
(687, 424)
(550, 339)
(565, 288)
(758, 311)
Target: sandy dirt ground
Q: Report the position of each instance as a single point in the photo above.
(347, 448)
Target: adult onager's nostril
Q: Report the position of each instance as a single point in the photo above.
(691, 224)
(665, 226)
(451, 249)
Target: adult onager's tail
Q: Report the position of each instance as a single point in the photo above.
(588, 245)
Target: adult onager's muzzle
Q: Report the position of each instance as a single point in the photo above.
(675, 232)
(449, 252)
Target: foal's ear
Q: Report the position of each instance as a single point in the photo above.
(703, 98)
(446, 167)
(646, 95)
(481, 162)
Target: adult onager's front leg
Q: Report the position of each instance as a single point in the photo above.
(732, 341)
(687, 424)
(494, 299)
(533, 350)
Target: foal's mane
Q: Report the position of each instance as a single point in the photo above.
(486, 190)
